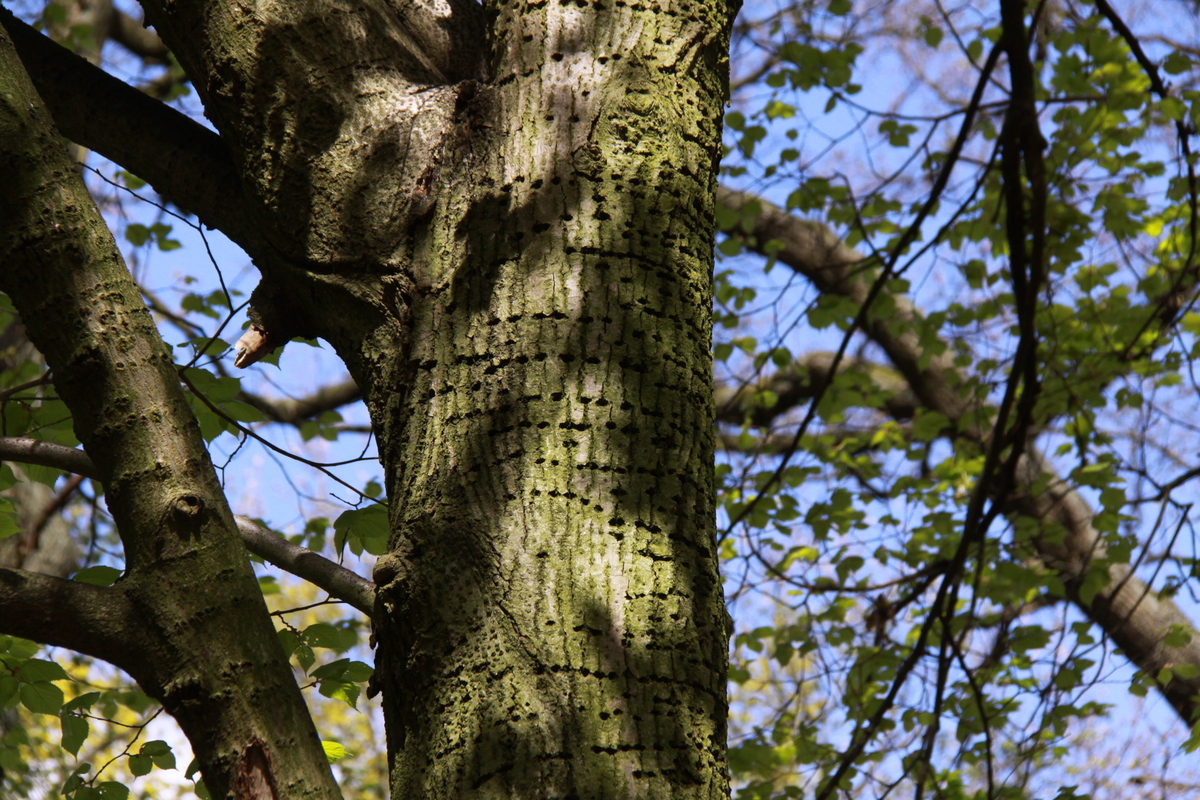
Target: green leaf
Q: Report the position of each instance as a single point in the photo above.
(8, 478)
(328, 636)
(11, 759)
(137, 234)
(1028, 637)
(74, 732)
(929, 425)
(729, 246)
(162, 232)
(36, 669)
(130, 180)
(344, 669)
(98, 575)
(1176, 63)
(289, 640)
(54, 14)
(363, 529)
(305, 657)
(334, 669)
(341, 690)
(44, 475)
(83, 701)
(135, 700)
(42, 698)
(242, 412)
(1177, 636)
(334, 752)
(1186, 671)
(140, 765)
(158, 753)
(216, 389)
(112, 790)
(200, 305)
(76, 778)
(9, 521)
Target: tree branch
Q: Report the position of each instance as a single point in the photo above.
(304, 563)
(293, 412)
(814, 251)
(804, 379)
(46, 454)
(98, 621)
(301, 562)
(181, 159)
(1135, 617)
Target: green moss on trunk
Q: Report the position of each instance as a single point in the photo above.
(551, 619)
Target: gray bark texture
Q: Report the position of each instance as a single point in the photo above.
(501, 217)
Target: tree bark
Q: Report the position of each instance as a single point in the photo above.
(504, 227)
(187, 620)
(551, 614)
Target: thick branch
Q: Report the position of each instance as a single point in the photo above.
(304, 563)
(47, 454)
(301, 562)
(812, 250)
(88, 619)
(804, 379)
(308, 171)
(181, 159)
(1128, 610)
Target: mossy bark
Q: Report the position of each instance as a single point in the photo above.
(550, 622)
(187, 620)
(502, 219)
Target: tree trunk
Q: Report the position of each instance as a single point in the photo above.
(551, 614)
(507, 236)
(187, 620)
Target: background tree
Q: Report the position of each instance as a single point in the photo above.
(992, 453)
